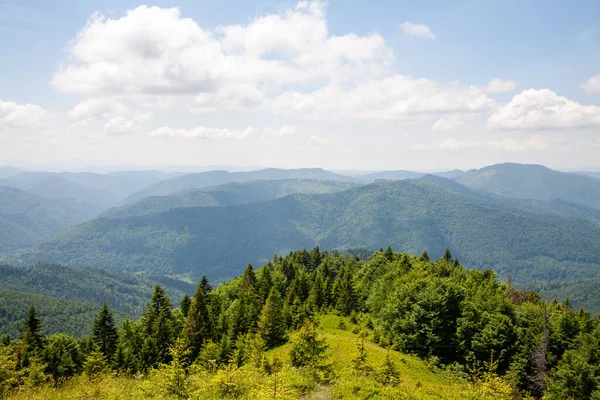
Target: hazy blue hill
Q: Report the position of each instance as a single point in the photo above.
(408, 215)
(391, 175)
(27, 219)
(216, 178)
(593, 174)
(557, 207)
(7, 171)
(226, 195)
(118, 185)
(127, 293)
(533, 182)
(53, 186)
(58, 315)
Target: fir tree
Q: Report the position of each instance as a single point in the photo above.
(309, 349)
(197, 326)
(271, 324)
(32, 332)
(425, 256)
(343, 292)
(389, 253)
(104, 333)
(158, 324)
(447, 257)
(184, 305)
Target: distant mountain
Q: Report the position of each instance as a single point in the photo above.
(53, 186)
(226, 195)
(402, 175)
(216, 178)
(27, 219)
(589, 173)
(533, 182)
(124, 292)
(7, 171)
(408, 215)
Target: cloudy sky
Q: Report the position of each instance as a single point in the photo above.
(349, 84)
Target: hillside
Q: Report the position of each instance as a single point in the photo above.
(226, 195)
(533, 182)
(319, 325)
(126, 293)
(72, 317)
(27, 219)
(216, 178)
(411, 216)
(53, 186)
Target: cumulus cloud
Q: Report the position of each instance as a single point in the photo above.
(592, 85)
(98, 109)
(14, 115)
(544, 109)
(501, 86)
(398, 97)
(153, 51)
(417, 30)
(203, 132)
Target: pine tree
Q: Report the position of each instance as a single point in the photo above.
(104, 333)
(184, 305)
(389, 372)
(205, 285)
(389, 253)
(360, 361)
(32, 335)
(309, 349)
(265, 283)
(343, 292)
(447, 256)
(271, 324)
(197, 326)
(425, 256)
(158, 324)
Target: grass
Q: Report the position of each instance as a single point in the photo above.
(416, 379)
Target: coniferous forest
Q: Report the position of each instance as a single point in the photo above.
(320, 324)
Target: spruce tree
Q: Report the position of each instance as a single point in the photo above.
(185, 304)
(197, 326)
(343, 292)
(271, 324)
(104, 333)
(310, 348)
(447, 256)
(425, 256)
(158, 323)
(32, 332)
(389, 253)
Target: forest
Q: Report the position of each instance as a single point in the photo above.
(320, 323)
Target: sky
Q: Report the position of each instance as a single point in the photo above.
(347, 84)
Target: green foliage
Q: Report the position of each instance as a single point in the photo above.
(62, 356)
(271, 323)
(95, 364)
(309, 348)
(104, 333)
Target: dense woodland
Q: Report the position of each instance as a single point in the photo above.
(272, 333)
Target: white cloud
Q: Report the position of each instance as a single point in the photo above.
(417, 30)
(318, 141)
(501, 86)
(119, 125)
(398, 97)
(509, 144)
(14, 115)
(592, 85)
(450, 123)
(98, 109)
(203, 132)
(155, 55)
(543, 109)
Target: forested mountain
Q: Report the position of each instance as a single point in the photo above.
(27, 219)
(216, 178)
(409, 215)
(226, 195)
(318, 324)
(124, 292)
(593, 174)
(8, 171)
(533, 182)
(52, 186)
(400, 175)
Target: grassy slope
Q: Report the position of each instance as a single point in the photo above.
(417, 380)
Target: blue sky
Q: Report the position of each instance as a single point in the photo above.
(345, 84)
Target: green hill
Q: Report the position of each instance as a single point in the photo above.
(216, 178)
(226, 195)
(407, 215)
(533, 182)
(124, 292)
(27, 219)
(59, 315)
